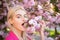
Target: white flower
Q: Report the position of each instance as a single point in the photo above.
(33, 29)
(37, 27)
(50, 38)
(39, 7)
(38, 18)
(30, 29)
(32, 21)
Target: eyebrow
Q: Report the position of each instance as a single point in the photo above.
(19, 15)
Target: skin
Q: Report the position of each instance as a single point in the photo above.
(42, 23)
(17, 20)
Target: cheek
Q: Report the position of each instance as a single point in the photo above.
(17, 22)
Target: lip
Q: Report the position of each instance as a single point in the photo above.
(22, 24)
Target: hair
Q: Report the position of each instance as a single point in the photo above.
(12, 10)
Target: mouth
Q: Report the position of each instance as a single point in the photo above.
(22, 24)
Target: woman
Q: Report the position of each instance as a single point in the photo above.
(16, 18)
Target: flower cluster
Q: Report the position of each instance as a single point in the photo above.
(41, 14)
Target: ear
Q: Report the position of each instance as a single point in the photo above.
(10, 21)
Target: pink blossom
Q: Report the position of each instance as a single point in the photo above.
(30, 29)
(28, 3)
(58, 20)
(58, 5)
(38, 18)
(1, 32)
(42, 1)
(52, 19)
(39, 7)
(45, 15)
(33, 22)
(37, 27)
(25, 1)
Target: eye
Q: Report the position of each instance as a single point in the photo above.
(18, 16)
(25, 16)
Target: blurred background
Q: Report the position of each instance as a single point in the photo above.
(47, 10)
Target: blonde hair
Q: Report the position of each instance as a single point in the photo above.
(12, 10)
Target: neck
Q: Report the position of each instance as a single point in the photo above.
(18, 33)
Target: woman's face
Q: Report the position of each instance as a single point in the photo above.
(18, 19)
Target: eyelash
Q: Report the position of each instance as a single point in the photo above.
(18, 16)
(25, 16)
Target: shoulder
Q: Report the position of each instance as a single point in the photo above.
(8, 37)
(11, 36)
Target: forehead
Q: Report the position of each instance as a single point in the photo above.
(20, 12)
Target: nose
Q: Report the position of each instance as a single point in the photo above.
(24, 20)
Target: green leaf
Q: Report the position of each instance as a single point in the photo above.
(53, 1)
(56, 9)
(20, 0)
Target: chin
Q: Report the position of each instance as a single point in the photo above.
(22, 27)
(22, 30)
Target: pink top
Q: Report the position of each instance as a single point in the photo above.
(11, 36)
